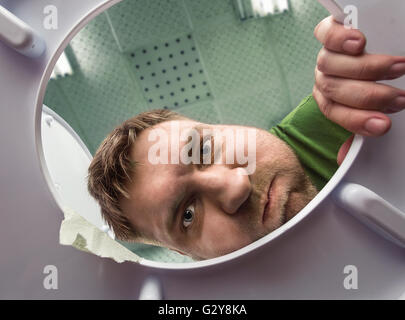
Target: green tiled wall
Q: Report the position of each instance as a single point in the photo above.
(257, 70)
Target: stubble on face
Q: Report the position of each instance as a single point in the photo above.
(295, 189)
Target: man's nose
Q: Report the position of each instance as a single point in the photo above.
(228, 187)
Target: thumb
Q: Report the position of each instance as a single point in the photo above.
(344, 149)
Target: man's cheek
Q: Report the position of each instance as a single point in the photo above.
(220, 237)
(245, 150)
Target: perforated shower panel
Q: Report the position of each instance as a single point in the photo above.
(170, 73)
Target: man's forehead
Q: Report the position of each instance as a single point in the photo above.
(150, 196)
(172, 129)
(183, 124)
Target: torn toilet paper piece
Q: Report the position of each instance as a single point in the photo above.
(78, 232)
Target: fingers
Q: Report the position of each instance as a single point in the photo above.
(345, 81)
(344, 149)
(360, 94)
(363, 122)
(365, 67)
(335, 37)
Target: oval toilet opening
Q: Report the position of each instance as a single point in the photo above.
(65, 127)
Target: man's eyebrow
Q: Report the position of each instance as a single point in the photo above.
(195, 128)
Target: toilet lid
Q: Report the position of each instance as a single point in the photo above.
(67, 160)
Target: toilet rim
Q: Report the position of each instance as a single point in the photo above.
(56, 117)
(322, 195)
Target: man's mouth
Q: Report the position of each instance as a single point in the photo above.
(269, 202)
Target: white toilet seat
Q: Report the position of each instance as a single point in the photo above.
(67, 159)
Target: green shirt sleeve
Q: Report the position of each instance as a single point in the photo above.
(315, 139)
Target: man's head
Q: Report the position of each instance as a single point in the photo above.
(203, 209)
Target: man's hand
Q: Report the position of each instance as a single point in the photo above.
(345, 82)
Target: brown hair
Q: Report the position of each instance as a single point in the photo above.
(112, 168)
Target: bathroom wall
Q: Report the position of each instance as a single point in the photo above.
(195, 57)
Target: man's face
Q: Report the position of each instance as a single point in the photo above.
(208, 210)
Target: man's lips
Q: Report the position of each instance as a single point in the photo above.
(267, 206)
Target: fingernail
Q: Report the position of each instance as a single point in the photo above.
(393, 110)
(376, 126)
(400, 102)
(352, 46)
(399, 105)
(397, 69)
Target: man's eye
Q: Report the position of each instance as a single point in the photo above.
(206, 147)
(206, 150)
(188, 216)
